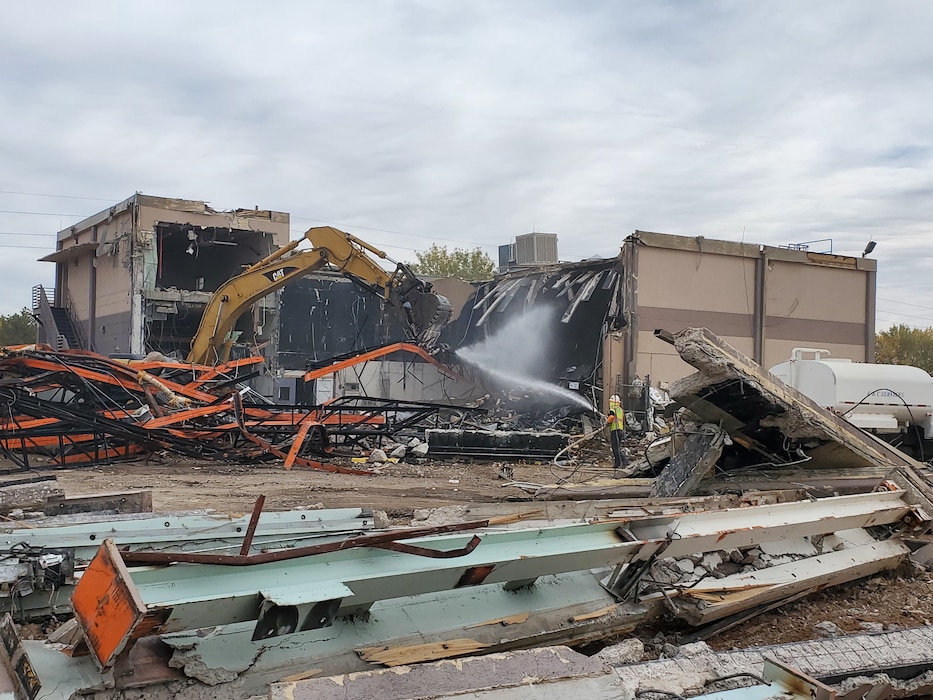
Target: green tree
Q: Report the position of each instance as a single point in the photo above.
(437, 261)
(903, 345)
(17, 329)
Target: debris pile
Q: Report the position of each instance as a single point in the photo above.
(77, 408)
(326, 596)
(313, 603)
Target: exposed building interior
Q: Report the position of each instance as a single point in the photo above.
(192, 262)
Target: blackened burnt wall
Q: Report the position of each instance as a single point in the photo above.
(325, 315)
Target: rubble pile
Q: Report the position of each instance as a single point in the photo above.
(76, 408)
(315, 603)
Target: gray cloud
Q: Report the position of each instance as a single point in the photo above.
(469, 123)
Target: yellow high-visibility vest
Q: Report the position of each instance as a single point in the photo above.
(619, 422)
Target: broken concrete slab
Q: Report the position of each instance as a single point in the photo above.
(123, 502)
(525, 513)
(771, 423)
(694, 461)
(712, 599)
(499, 671)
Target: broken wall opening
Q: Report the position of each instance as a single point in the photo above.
(192, 261)
(201, 258)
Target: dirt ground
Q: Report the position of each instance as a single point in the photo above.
(183, 485)
(893, 599)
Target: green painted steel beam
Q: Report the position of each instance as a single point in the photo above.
(320, 587)
(192, 532)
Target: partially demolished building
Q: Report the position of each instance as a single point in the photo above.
(135, 277)
(749, 496)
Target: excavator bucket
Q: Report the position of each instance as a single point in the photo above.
(428, 313)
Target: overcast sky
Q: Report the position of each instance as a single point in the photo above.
(468, 123)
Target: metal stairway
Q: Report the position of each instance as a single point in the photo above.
(56, 323)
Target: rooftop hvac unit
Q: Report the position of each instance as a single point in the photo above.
(536, 249)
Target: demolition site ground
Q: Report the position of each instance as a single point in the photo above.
(890, 600)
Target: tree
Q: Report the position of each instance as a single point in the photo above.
(437, 261)
(17, 329)
(903, 345)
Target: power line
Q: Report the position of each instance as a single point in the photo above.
(898, 313)
(58, 196)
(23, 233)
(905, 303)
(36, 247)
(38, 213)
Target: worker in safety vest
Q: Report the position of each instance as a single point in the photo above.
(616, 421)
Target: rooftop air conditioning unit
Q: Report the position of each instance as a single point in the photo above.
(536, 249)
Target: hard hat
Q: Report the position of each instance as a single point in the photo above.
(615, 399)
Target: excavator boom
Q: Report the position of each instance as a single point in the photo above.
(425, 312)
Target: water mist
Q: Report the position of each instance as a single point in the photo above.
(519, 350)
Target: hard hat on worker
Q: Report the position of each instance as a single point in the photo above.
(615, 399)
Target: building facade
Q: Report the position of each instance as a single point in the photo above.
(763, 300)
(134, 278)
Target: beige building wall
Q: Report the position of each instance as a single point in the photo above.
(815, 303)
(762, 300)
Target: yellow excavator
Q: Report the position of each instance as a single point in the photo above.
(425, 312)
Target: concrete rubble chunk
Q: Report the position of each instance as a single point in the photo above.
(827, 629)
(377, 456)
(686, 565)
(399, 452)
(628, 651)
(693, 649)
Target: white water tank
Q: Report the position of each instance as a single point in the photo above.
(882, 398)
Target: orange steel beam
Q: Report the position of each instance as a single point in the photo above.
(379, 352)
(211, 373)
(128, 380)
(45, 441)
(299, 440)
(187, 414)
(80, 458)
(27, 423)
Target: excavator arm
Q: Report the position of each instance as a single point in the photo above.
(425, 312)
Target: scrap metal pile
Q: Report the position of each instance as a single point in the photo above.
(308, 594)
(77, 408)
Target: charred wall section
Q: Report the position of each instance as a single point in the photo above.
(326, 314)
(584, 302)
